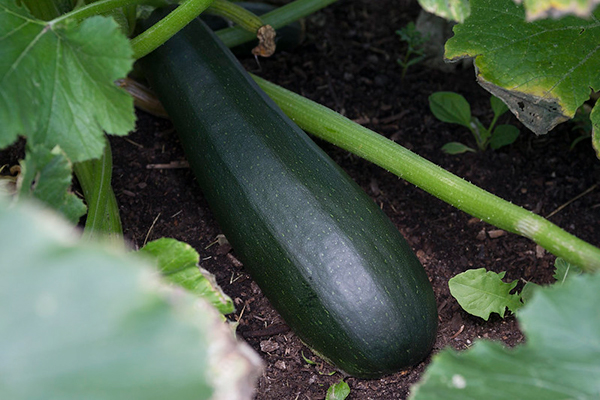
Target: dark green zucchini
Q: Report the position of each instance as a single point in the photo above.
(329, 260)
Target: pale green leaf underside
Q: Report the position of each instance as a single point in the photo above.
(179, 264)
(560, 359)
(456, 10)
(57, 82)
(543, 70)
(88, 323)
(538, 9)
(480, 293)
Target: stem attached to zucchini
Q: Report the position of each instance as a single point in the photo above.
(278, 18)
(334, 128)
(236, 14)
(103, 218)
(164, 29)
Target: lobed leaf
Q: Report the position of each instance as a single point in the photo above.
(57, 82)
(480, 293)
(560, 358)
(542, 70)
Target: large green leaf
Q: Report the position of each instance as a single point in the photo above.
(542, 70)
(559, 360)
(86, 323)
(57, 82)
(537, 9)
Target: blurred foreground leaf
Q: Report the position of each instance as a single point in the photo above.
(80, 321)
(560, 359)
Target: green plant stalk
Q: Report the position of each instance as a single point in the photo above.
(278, 18)
(164, 29)
(47, 9)
(103, 218)
(238, 15)
(334, 128)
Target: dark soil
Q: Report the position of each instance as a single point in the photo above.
(348, 63)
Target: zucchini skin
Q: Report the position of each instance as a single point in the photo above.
(328, 259)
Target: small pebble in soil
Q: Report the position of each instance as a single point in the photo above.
(496, 233)
(280, 364)
(268, 346)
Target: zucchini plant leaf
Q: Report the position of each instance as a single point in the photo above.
(559, 360)
(85, 322)
(542, 70)
(455, 10)
(46, 175)
(538, 9)
(57, 82)
(178, 262)
(480, 293)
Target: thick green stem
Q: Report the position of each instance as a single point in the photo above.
(48, 9)
(236, 14)
(278, 18)
(103, 218)
(164, 29)
(334, 128)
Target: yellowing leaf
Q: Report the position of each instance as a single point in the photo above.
(57, 82)
(456, 10)
(538, 9)
(542, 70)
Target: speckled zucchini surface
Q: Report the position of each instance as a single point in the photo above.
(329, 260)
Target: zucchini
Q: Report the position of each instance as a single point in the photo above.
(328, 259)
